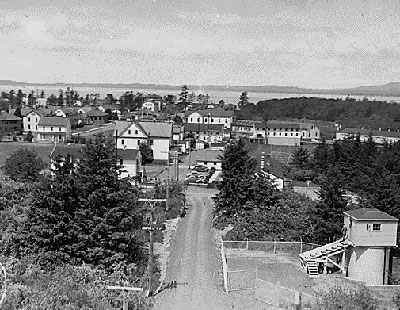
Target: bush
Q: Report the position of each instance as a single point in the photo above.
(346, 299)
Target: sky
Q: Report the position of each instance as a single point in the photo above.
(314, 44)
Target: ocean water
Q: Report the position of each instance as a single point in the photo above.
(227, 95)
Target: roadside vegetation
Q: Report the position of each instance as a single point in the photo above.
(68, 235)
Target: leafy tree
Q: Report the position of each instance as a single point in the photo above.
(347, 299)
(177, 120)
(29, 136)
(23, 165)
(147, 153)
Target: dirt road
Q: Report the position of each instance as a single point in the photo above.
(194, 264)
(193, 261)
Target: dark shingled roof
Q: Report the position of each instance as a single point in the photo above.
(203, 127)
(54, 121)
(62, 150)
(8, 117)
(127, 154)
(369, 214)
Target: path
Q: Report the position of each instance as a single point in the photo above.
(194, 264)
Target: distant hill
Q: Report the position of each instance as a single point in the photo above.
(390, 89)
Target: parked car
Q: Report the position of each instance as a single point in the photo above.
(200, 168)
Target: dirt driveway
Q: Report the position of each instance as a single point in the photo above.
(194, 264)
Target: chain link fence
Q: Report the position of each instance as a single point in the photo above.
(283, 297)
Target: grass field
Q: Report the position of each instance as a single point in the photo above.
(7, 148)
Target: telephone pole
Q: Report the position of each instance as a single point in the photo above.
(152, 203)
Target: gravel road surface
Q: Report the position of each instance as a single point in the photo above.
(194, 264)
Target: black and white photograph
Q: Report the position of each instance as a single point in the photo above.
(199, 154)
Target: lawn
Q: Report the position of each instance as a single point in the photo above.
(7, 148)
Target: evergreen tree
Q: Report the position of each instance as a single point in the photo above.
(328, 213)
(243, 99)
(300, 158)
(237, 172)
(147, 153)
(84, 213)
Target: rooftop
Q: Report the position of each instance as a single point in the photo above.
(54, 121)
(370, 214)
(157, 129)
(204, 127)
(215, 112)
(127, 154)
(367, 132)
(62, 150)
(8, 117)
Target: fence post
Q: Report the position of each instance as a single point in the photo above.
(247, 244)
(301, 245)
(274, 246)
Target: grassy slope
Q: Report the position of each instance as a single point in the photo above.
(7, 148)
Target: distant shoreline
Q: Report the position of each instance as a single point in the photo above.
(387, 90)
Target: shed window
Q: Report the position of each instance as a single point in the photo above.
(376, 227)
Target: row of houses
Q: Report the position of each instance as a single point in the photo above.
(215, 125)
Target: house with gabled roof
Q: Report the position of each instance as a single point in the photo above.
(54, 129)
(129, 135)
(157, 135)
(159, 138)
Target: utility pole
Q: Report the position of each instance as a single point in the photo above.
(190, 153)
(152, 203)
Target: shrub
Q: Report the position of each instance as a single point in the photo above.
(347, 299)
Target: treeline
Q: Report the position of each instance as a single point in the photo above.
(68, 234)
(347, 112)
(370, 171)
(257, 210)
(248, 201)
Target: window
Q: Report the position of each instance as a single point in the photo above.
(198, 119)
(51, 128)
(151, 142)
(136, 132)
(129, 132)
(212, 120)
(59, 128)
(285, 134)
(121, 161)
(29, 126)
(376, 227)
(122, 142)
(29, 119)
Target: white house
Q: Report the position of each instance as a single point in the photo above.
(131, 162)
(156, 134)
(129, 135)
(54, 129)
(212, 116)
(31, 122)
(160, 138)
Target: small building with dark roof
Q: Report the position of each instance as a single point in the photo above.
(373, 234)
(9, 124)
(97, 117)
